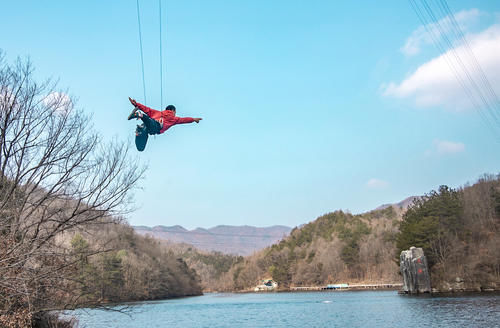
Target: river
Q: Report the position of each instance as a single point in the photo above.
(307, 309)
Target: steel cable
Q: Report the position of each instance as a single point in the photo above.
(142, 56)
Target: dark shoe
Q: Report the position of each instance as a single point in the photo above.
(133, 114)
(141, 130)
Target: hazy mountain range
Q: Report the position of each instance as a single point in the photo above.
(238, 240)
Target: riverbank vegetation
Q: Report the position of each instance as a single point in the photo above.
(210, 266)
(114, 264)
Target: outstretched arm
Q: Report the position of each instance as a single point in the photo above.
(148, 111)
(184, 120)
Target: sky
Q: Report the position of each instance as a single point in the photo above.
(308, 106)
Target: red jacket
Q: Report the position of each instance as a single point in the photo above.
(166, 118)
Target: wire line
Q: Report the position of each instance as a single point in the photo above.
(142, 56)
(161, 61)
(457, 65)
(468, 72)
(493, 97)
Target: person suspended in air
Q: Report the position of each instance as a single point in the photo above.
(154, 121)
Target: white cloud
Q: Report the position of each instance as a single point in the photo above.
(444, 147)
(435, 84)
(58, 101)
(425, 35)
(377, 184)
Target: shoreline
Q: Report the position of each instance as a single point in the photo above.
(399, 291)
(361, 287)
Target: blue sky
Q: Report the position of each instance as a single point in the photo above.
(307, 106)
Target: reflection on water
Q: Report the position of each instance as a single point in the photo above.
(313, 309)
(459, 310)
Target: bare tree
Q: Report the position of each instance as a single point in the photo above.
(56, 173)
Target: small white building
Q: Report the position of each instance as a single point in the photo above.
(266, 285)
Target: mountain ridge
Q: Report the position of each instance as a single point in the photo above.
(238, 240)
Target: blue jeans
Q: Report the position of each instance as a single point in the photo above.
(152, 126)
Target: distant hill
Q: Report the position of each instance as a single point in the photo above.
(404, 204)
(238, 240)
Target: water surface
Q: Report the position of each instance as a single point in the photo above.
(308, 309)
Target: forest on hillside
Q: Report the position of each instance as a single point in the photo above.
(336, 247)
(126, 267)
(457, 228)
(210, 266)
(63, 190)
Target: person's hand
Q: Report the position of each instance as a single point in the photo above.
(197, 120)
(132, 101)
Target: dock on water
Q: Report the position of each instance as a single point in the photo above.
(347, 287)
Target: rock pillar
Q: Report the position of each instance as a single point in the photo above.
(415, 272)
